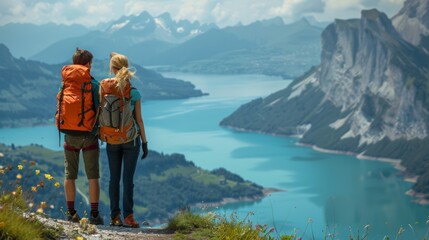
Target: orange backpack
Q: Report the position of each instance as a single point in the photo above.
(116, 121)
(75, 108)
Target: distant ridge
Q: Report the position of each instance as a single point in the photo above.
(29, 88)
(25, 39)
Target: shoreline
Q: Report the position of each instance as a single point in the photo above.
(205, 206)
(395, 162)
(265, 192)
(420, 198)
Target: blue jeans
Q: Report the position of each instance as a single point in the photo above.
(125, 155)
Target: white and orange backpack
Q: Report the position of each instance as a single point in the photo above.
(116, 120)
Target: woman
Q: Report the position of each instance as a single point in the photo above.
(125, 154)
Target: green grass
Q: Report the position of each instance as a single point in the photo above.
(15, 225)
(188, 225)
(38, 152)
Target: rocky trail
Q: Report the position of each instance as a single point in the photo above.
(84, 230)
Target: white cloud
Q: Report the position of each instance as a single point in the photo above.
(17, 9)
(341, 5)
(77, 3)
(194, 11)
(221, 12)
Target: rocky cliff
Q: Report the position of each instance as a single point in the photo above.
(412, 21)
(369, 96)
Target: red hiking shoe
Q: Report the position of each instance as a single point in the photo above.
(130, 222)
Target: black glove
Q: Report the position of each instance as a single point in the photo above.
(145, 150)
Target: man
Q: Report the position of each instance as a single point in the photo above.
(76, 118)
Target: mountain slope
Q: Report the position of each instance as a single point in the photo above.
(164, 184)
(25, 40)
(29, 88)
(369, 96)
(205, 46)
(26, 88)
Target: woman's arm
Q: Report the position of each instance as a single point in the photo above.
(139, 120)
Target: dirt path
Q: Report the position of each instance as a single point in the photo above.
(73, 230)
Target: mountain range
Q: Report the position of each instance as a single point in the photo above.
(264, 47)
(133, 35)
(268, 47)
(369, 96)
(29, 88)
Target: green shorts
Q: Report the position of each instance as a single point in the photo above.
(88, 144)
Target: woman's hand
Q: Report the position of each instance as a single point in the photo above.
(145, 150)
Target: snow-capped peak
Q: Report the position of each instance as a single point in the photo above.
(160, 23)
(118, 26)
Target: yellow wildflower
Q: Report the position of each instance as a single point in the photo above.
(18, 176)
(2, 171)
(39, 210)
(20, 167)
(80, 238)
(57, 184)
(48, 176)
(34, 189)
(37, 171)
(83, 221)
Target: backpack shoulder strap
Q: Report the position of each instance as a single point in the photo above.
(60, 103)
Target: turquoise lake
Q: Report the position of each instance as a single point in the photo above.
(323, 193)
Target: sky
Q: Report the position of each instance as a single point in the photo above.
(221, 12)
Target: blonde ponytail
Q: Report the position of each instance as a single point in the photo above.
(119, 62)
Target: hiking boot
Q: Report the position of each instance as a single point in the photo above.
(73, 218)
(116, 221)
(130, 222)
(98, 220)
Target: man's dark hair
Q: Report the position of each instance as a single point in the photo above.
(82, 56)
